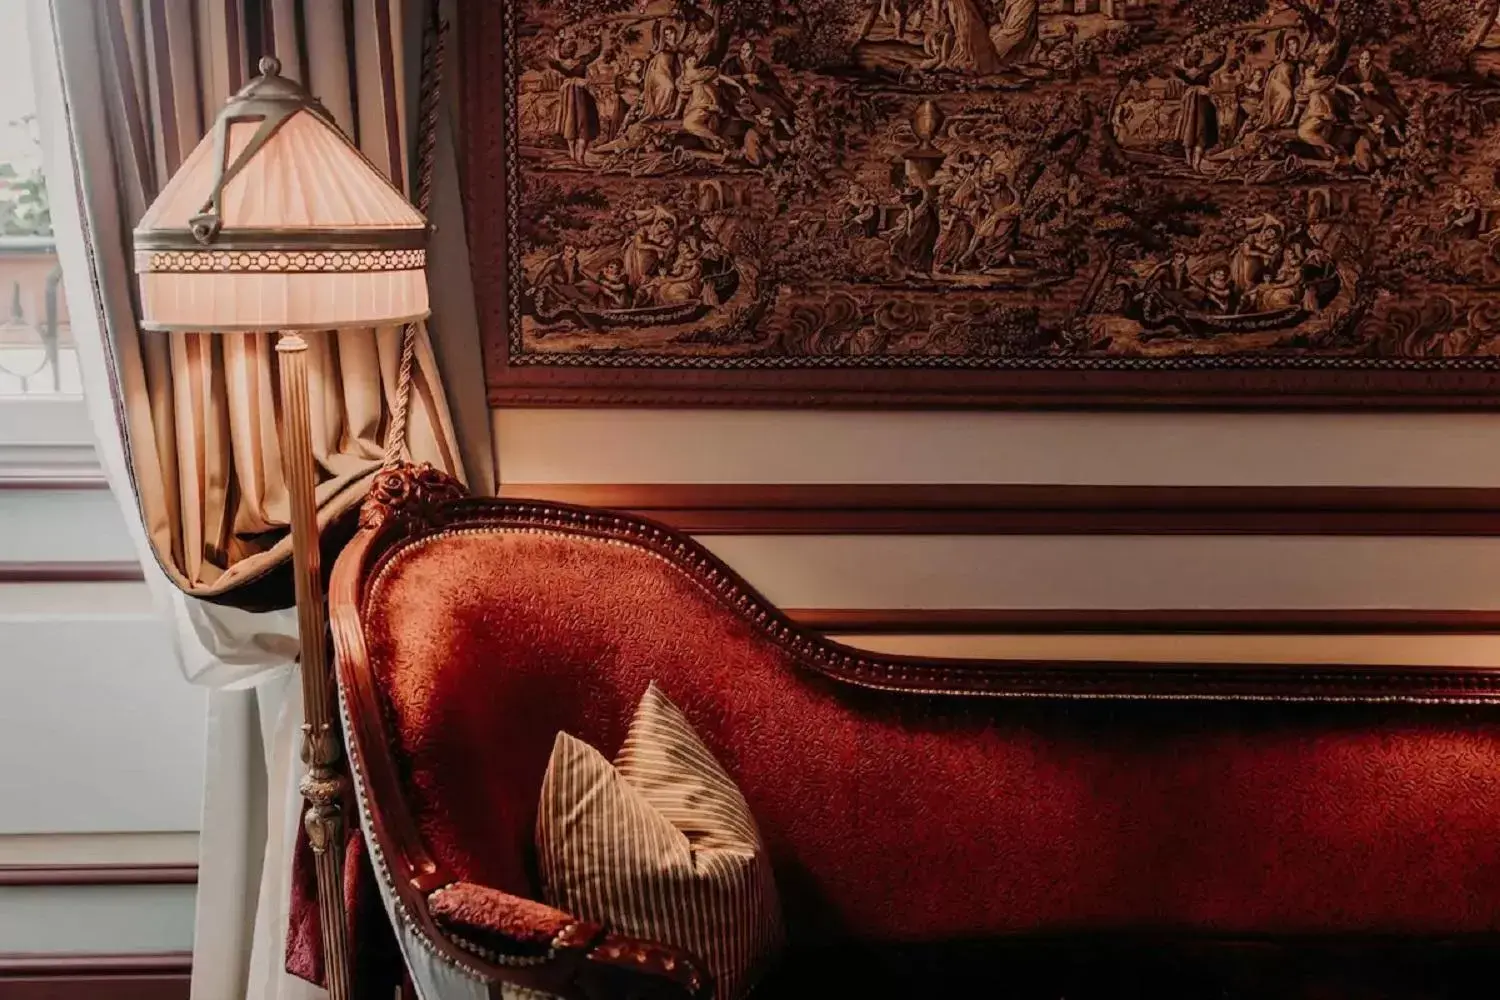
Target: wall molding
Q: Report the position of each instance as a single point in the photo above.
(41, 466)
(1132, 621)
(132, 848)
(983, 509)
(98, 874)
(68, 976)
(123, 571)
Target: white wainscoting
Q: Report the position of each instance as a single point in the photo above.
(111, 735)
(1116, 571)
(102, 740)
(1365, 650)
(133, 848)
(901, 446)
(1066, 572)
(62, 526)
(85, 919)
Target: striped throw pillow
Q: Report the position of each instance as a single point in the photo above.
(660, 846)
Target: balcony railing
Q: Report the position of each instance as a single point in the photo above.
(37, 353)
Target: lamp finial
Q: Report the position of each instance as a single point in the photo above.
(270, 66)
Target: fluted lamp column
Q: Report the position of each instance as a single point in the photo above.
(276, 222)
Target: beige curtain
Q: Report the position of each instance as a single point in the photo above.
(200, 411)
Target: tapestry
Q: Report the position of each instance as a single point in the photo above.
(887, 190)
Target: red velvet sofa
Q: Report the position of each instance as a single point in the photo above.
(938, 828)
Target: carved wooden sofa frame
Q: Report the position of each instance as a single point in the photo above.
(583, 960)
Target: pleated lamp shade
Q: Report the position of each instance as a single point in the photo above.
(277, 222)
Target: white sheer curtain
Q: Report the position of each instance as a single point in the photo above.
(251, 807)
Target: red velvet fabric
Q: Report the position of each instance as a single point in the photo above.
(376, 967)
(902, 819)
(1128, 967)
(892, 818)
(477, 911)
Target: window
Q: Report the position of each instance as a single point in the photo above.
(36, 345)
(44, 428)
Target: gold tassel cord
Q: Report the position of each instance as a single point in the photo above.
(429, 92)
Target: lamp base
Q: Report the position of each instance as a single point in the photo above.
(323, 785)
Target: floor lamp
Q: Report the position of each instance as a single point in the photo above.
(276, 222)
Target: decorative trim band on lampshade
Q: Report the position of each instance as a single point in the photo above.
(277, 261)
(281, 300)
(276, 221)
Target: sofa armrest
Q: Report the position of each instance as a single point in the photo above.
(497, 926)
(500, 922)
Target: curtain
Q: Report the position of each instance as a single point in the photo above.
(200, 411)
(190, 420)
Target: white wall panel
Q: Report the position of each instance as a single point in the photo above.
(1373, 650)
(77, 525)
(1110, 572)
(99, 919)
(897, 446)
(36, 601)
(91, 849)
(98, 730)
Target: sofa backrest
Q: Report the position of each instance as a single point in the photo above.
(908, 800)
